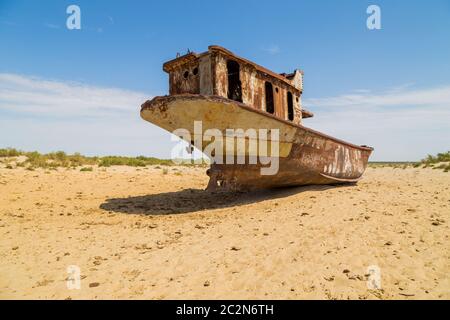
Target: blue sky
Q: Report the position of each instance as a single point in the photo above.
(358, 82)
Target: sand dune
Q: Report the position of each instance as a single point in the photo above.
(140, 233)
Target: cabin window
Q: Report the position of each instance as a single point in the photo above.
(195, 71)
(234, 82)
(269, 97)
(290, 105)
(186, 74)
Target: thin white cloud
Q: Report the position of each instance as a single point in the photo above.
(394, 97)
(401, 123)
(51, 26)
(272, 49)
(31, 95)
(48, 115)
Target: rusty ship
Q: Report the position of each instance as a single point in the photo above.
(223, 91)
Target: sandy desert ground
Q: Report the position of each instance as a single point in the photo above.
(140, 233)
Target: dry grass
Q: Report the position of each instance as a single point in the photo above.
(53, 160)
(439, 161)
(58, 159)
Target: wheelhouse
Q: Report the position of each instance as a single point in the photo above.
(219, 72)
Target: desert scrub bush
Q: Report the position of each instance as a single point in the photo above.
(442, 166)
(36, 160)
(59, 156)
(120, 161)
(140, 161)
(155, 161)
(440, 161)
(21, 164)
(10, 152)
(384, 164)
(86, 169)
(77, 160)
(165, 171)
(57, 159)
(440, 157)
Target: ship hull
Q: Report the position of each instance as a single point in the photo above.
(305, 156)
